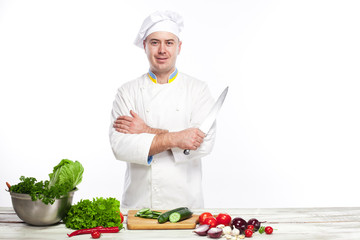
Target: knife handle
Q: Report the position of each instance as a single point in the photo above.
(186, 151)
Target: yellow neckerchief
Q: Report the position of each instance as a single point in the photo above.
(172, 76)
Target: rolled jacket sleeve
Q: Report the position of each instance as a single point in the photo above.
(133, 148)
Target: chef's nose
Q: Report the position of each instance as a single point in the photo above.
(162, 48)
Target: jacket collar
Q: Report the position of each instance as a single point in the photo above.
(172, 76)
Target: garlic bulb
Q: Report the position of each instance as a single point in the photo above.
(235, 232)
(227, 230)
(220, 226)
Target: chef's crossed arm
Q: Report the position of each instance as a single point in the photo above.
(190, 138)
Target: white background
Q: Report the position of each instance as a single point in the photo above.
(288, 133)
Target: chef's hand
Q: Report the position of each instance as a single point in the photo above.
(190, 138)
(132, 125)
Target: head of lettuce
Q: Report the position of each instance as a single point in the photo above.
(67, 174)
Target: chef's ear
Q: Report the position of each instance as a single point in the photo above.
(144, 44)
(179, 47)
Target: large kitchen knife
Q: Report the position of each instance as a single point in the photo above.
(210, 119)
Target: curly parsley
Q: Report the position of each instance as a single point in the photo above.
(40, 190)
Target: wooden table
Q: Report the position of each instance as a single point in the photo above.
(291, 223)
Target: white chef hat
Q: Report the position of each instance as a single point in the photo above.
(166, 21)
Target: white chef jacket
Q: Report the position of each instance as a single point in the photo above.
(168, 179)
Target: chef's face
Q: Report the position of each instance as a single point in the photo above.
(162, 49)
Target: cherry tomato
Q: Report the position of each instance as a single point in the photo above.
(95, 234)
(269, 230)
(223, 218)
(211, 221)
(251, 227)
(203, 216)
(248, 233)
(122, 217)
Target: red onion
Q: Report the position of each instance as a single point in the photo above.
(215, 232)
(202, 230)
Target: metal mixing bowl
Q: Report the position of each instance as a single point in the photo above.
(37, 212)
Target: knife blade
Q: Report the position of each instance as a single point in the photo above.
(211, 117)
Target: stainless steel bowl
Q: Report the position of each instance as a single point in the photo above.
(37, 212)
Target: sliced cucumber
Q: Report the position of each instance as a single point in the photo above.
(144, 210)
(180, 215)
(174, 217)
(147, 213)
(165, 216)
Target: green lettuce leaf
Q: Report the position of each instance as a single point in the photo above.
(68, 173)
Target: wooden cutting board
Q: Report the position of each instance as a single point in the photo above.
(137, 223)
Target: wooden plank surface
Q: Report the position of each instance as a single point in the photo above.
(291, 224)
(137, 223)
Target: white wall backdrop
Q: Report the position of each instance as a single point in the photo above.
(288, 134)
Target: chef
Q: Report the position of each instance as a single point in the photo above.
(155, 117)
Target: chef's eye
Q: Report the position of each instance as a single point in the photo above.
(154, 43)
(170, 43)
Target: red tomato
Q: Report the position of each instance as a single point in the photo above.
(223, 218)
(248, 233)
(269, 230)
(203, 216)
(211, 221)
(95, 234)
(251, 227)
(122, 217)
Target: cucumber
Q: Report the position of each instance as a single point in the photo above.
(165, 216)
(147, 213)
(144, 210)
(180, 215)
